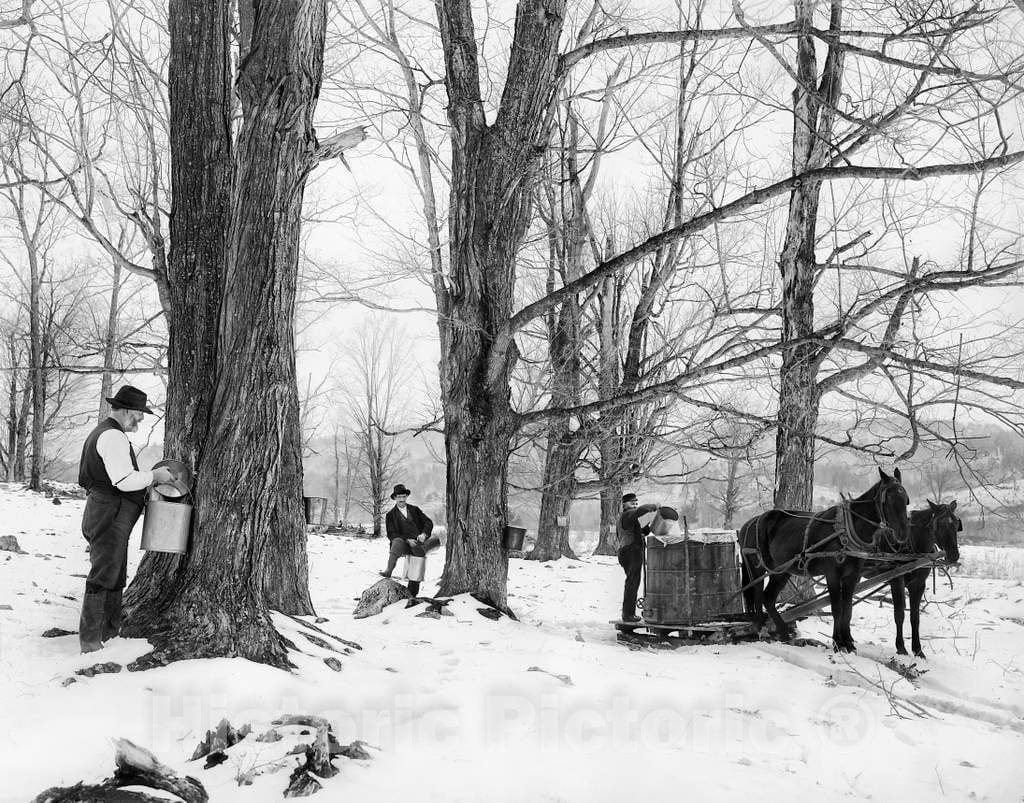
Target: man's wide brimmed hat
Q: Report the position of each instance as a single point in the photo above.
(400, 490)
(628, 498)
(129, 398)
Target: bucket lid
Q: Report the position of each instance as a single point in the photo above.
(182, 482)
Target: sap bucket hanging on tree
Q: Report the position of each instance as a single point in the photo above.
(316, 509)
(514, 537)
(168, 517)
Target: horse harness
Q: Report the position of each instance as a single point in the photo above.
(850, 543)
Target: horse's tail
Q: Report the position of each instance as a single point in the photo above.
(750, 566)
(762, 539)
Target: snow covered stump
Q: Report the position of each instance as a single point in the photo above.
(378, 596)
(136, 766)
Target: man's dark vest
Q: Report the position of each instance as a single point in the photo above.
(92, 474)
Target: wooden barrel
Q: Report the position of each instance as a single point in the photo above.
(693, 580)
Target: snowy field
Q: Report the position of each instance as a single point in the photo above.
(456, 709)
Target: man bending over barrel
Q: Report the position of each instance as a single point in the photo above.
(631, 551)
(116, 494)
(409, 529)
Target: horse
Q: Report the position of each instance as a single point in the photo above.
(782, 542)
(935, 527)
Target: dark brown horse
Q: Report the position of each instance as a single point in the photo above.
(933, 528)
(779, 543)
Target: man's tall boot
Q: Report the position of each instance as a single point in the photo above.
(392, 560)
(112, 615)
(414, 588)
(90, 625)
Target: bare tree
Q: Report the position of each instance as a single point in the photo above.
(379, 382)
(346, 457)
(233, 276)
(38, 226)
(17, 400)
(499, 133)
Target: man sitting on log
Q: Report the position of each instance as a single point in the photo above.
(409, 530)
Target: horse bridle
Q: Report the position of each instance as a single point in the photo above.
(883, 529)
(933, 524)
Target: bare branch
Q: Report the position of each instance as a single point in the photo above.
(924, 365)
(23, 18)
(759, 196)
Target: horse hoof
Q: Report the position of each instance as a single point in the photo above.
(901, 650)
(920, 654)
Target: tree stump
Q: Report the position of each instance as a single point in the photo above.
(220, 739)
(304, 781)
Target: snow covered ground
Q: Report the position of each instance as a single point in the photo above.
(457, 710)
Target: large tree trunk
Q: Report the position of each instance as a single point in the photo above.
(611, 510)
(799, 397)
(813, 120)
(567, 240)
(199, 76)
(478, 427)
(559, 490)
(492, 168)
(249, 543)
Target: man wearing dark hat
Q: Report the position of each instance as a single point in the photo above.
(631, 551)
(116, 490)
(409, 529)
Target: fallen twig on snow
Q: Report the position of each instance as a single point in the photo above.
(900, 706)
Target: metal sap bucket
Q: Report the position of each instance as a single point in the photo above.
(514, 537)
(166, 525)
(415, 568)
(316, 509)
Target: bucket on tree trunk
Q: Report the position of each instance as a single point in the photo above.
(514, 537)
(166, 525)
(415, 568)
(316, 509)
